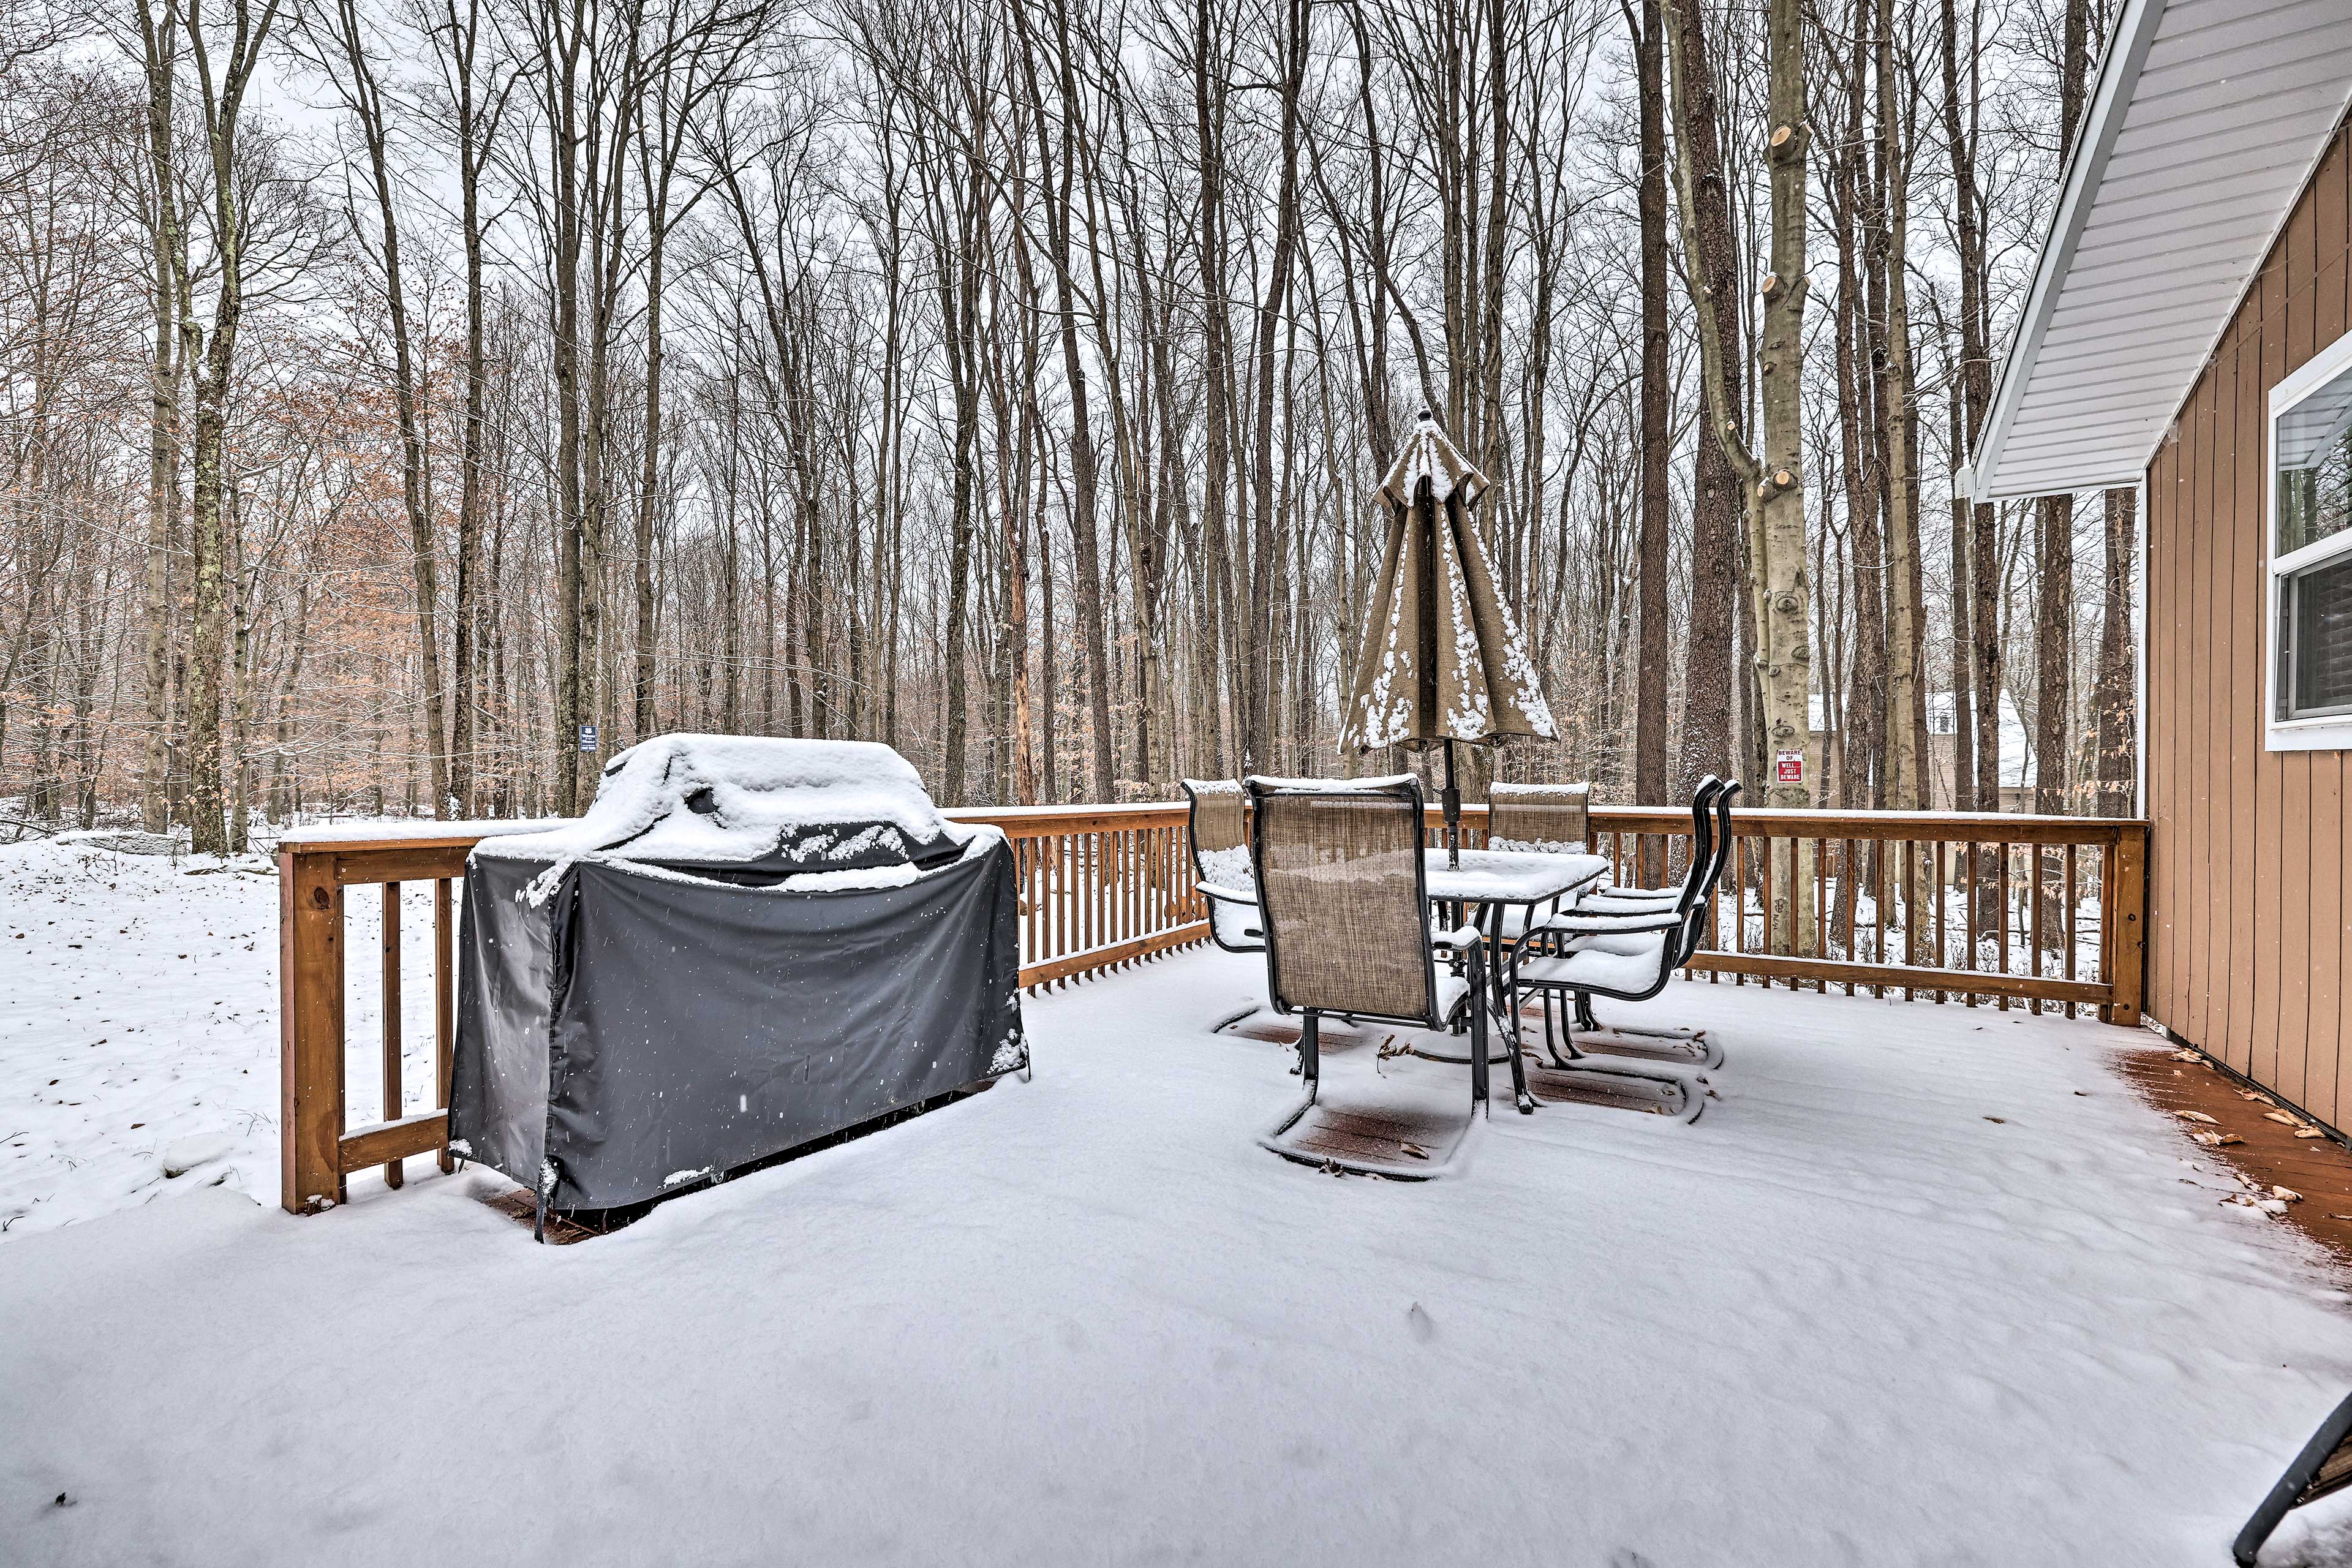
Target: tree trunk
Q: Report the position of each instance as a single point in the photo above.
(2053, 649)
(2112, 699)
(1259, 728)
(1775, 485)
(363, 96)
(1785, 616)
(223, 98)
(461, 38)
(1964, 782)
(1864, 777)
(1715, 503)
(1906, 631)
(1218, 632)
(1085, 545)
(1656, 435)
(160, 46)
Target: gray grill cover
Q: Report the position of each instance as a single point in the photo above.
(636, 1033)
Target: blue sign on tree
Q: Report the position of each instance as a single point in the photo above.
(587, 736)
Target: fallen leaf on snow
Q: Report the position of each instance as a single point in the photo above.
(2286, 1195)
(2194, 1116)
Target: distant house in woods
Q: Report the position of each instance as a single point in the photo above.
(2186, 333)
(2017, 770)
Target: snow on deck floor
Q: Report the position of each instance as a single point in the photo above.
(1844, 1318)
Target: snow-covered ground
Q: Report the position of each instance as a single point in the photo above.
(1924, 1285)
(138, 1024)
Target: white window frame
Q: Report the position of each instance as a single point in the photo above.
(2331, 732)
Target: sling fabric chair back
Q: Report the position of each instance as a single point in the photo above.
(1708, 846)
(1724, 793)
(1343, 886)
(1691, 904)
(1221, 858)
(1703, 803)
(1556, 818)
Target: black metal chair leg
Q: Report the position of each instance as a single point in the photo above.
(1519, 1095)
(1478, 1032)
(1311, 1052)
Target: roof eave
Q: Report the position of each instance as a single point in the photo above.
(2120, 71)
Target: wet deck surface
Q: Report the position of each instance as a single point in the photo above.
(1400, 1138)
(1647, 1095)
(2265, 1152)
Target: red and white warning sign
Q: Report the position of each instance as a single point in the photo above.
(1790, 767)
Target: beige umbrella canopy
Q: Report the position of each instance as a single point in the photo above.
(1443, 660)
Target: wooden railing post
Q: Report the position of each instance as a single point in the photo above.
(392, 1097)
(309, 1029)
(2123, 919)
(444, 1003)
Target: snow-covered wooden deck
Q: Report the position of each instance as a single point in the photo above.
(1924, 1285)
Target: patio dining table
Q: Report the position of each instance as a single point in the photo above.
(1498, 880)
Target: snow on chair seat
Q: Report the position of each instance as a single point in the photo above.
(1220, 863)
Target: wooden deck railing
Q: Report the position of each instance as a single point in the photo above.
(2046, 911)
(2041, 910)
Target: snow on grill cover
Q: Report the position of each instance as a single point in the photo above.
(745, 944)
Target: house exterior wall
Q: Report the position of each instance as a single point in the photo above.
(2250, 932)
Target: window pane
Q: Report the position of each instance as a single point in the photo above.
(2319, 662)
(2315, 460)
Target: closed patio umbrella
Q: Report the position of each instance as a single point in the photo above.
(1443, 659)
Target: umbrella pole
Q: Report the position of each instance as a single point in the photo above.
(1453, 801)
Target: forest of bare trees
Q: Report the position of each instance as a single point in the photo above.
(408, 404)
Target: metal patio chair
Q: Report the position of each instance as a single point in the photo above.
(1549, 819)
(2324, 1466)
(1343, 886)
(1554, 818)
(1629, 955)
(1221, 864)
(1710, 853)
(1713, 795)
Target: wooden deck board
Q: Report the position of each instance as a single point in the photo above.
(1552, 1087)
(1375, 1135)
(2318, 1168)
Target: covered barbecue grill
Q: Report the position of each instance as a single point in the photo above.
(744, 945)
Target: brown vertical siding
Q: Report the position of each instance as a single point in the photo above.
(2250, 924)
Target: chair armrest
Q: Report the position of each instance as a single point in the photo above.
(1463, 939)
(1632, 896)
(1227, 895)
(1605, 924)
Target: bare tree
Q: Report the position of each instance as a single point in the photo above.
(224, 70)
(1656, 433)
